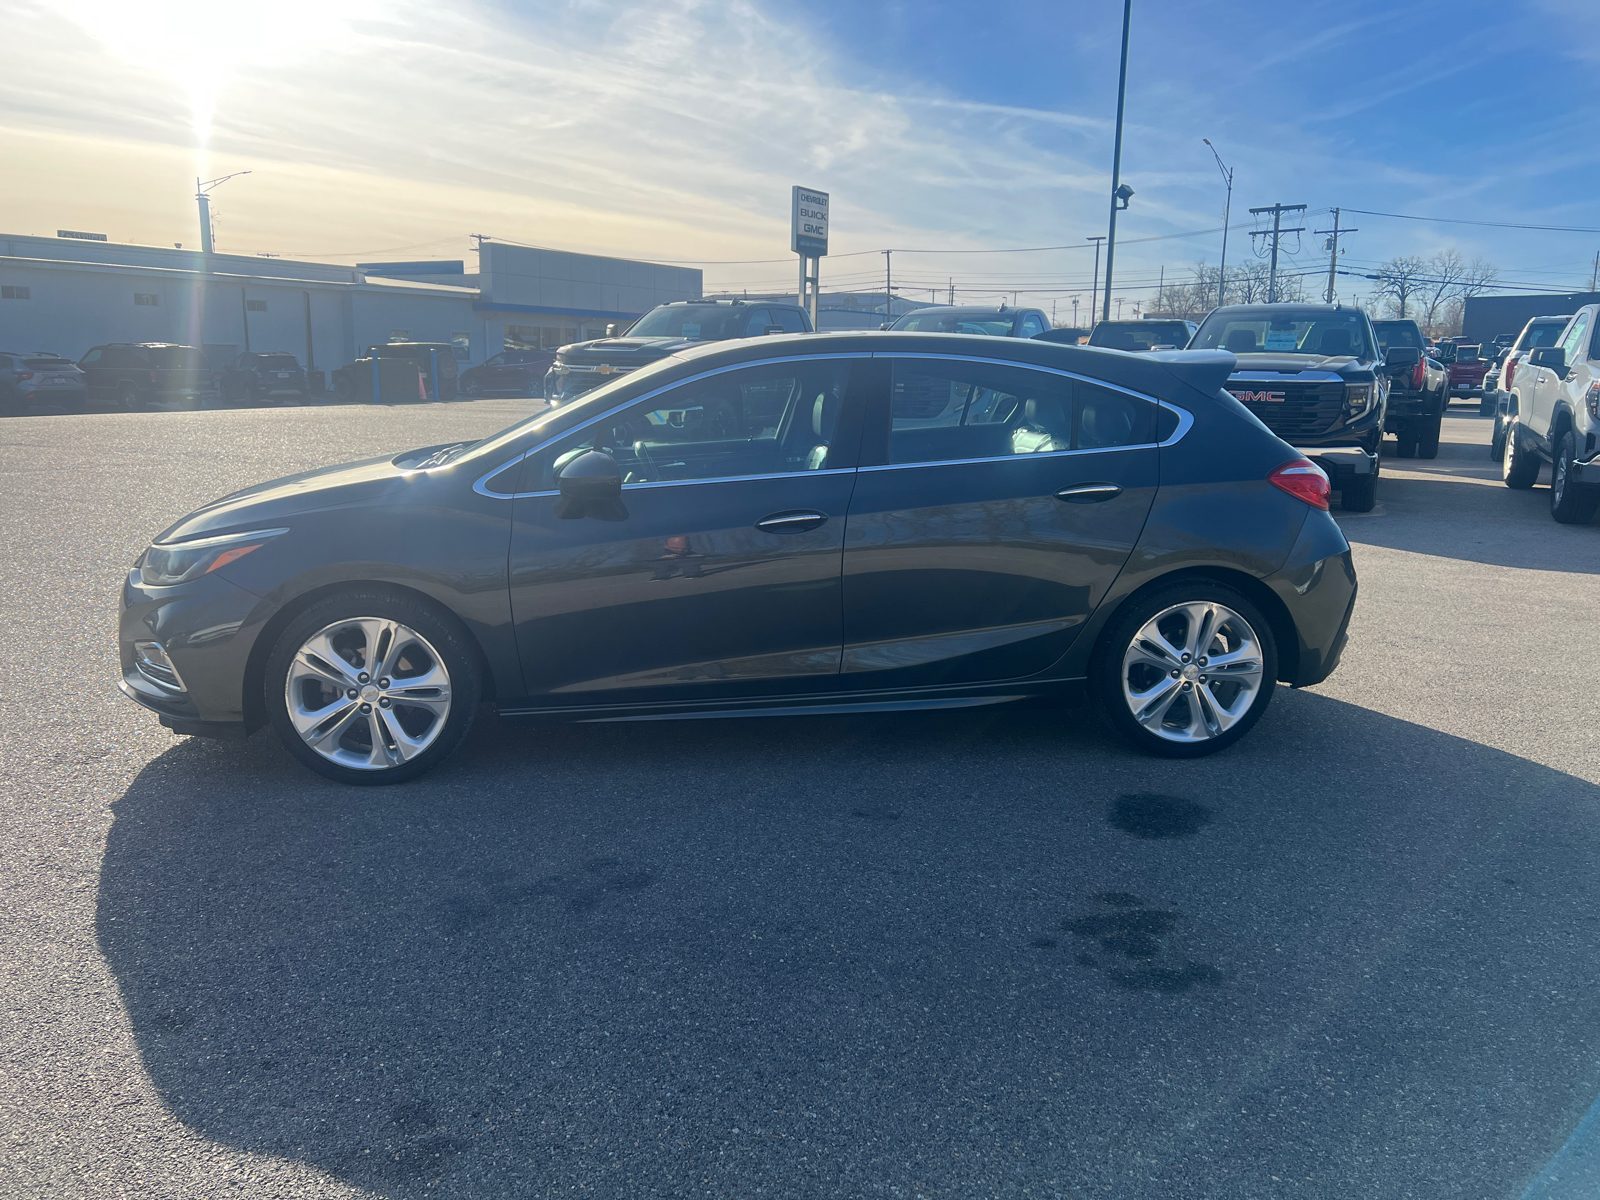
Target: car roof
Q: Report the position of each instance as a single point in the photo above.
(1282, 305)
(964, 308)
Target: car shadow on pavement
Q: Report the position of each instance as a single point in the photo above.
(949, 954)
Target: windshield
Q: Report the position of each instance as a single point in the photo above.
(993, 324)
(1140, 335)
(709, 322)
(1321, 332)
(1396, 333)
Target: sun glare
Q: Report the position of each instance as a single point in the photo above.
(201, 45)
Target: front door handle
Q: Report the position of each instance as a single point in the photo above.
(792, 522)
(1089, 493)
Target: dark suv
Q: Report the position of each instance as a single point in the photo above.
(511, 372)
(665, 330)
(133, 373)
(1148, 334)
(1416, 392)
(1314, 375)
(276, 376)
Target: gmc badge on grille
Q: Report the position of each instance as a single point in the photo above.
(1258, 397)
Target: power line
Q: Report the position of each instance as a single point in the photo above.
(1463, 221)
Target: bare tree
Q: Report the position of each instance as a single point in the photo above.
(1398, 281)
(1445, 272)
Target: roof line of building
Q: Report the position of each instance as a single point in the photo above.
(383, 283)
(547, 310)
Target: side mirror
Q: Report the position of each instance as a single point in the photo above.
(1553, 357)
(591, 486)
(1402, 358)
(611, 329)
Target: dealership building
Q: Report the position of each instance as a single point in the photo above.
(66, 294)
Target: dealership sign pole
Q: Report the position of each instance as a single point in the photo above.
(808, 237)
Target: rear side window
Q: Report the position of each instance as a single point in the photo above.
(92, 357)
(178, 358)
(758, 322)
(1397, 333)
(790, 319)
(1544, 334)
(1031, 325)
(942, 411)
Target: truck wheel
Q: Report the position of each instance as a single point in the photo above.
(1520, 467)
(1570, 503)
(1406, 441)
(1360, 494)
(1428, 438)
(342, 388)
(1497, 444)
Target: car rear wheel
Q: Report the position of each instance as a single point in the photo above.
(471, 388)
(1520, 467)
(1428, 437)
(1497, 443)
(1406, 444)
(1570, 503)
(1488, 404)
(127, 396)
(371, 688)
(1187, 670)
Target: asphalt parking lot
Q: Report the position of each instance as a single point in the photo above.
(963, 954)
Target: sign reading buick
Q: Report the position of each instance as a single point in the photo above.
(809, 231)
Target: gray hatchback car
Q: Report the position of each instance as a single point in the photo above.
(824, 523)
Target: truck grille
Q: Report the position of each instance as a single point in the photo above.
(1306, 410)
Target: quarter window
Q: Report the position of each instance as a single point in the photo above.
(771, 419)
(943, 412)
(1572, 344)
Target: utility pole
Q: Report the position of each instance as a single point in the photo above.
(888, 291)
(1276, 234)
(1052, 314)
(1227, 209)
(1119, 307)
(1333, 253)
(1093, 294)
(1594, 276)
(952, 289)
(1074, 312)
(1116, 159)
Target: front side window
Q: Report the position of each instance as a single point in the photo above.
(1542, 335)
(758, 322)
(790, 319)
(943, 411)
(1573, 342)
(1396, 333)
(771, 419)
(1031, 324)
(497, 361)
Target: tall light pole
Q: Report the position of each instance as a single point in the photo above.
(1093, 294)
(1117, 191)
(202, 194)
(1227, 208)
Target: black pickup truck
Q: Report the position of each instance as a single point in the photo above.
(1417, 393)
(1313, 374)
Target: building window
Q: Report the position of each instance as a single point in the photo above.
(146, 300)
(399, 335)
(540, 337)
(13, 292)
(255, 305)
(462, 344)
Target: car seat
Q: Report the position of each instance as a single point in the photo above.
(1105, 422)
(1335, 343)
(1241, 341)
(1044, 427)
(824, 414)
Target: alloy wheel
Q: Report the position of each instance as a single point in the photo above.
(368, 693)
(1192, 671)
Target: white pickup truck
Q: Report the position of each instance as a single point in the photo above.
(1555, 405)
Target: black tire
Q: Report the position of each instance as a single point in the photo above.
(342, 388)
(1520, 466)
(441, 634)
(1488, 404)
(10, 401)
(1570, 503)
(1106, 666)
(1428, 437)
(127, 396)
(1497, 443)
(1360, 494)
(471, 390)
(1406, 444)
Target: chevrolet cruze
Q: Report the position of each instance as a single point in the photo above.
(807, 524)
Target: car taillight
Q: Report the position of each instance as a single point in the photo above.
(24, 375)
(1303, 480)
(1417, 377)
(1507, 374)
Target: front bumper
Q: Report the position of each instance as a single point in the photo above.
(207, 629)
(1586, 472)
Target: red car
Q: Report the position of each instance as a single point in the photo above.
(511, 372)
(1467, 370)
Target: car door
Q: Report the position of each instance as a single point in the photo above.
(720, 572)
(994, 507)
(1547, 389)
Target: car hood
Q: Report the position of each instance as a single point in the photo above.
(267, 503)
(1338, 364)
(622, 351)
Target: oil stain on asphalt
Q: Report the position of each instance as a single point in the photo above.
(1133, 946)
(1149, 815)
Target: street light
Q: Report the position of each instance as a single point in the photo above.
(1120, 192)
(1227, 208)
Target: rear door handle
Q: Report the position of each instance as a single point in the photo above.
(1089, 493)
(798, 521)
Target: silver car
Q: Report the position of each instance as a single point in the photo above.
(39, 377)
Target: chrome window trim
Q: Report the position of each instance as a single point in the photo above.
(1185, 417)
(666, 483)
(478, 485)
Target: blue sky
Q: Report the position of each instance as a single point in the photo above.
(671, 130)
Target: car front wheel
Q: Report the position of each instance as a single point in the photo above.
(1570, 503)
(371, 688)
(1185, 671)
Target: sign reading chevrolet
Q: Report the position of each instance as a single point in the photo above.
(809, 229)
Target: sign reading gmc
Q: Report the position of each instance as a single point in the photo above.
(1258, 397)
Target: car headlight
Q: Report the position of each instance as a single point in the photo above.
(1592, 399)
(164, 566)
(1358, 398)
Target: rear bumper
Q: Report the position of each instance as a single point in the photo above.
(1342, 464)
(1318, 588)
